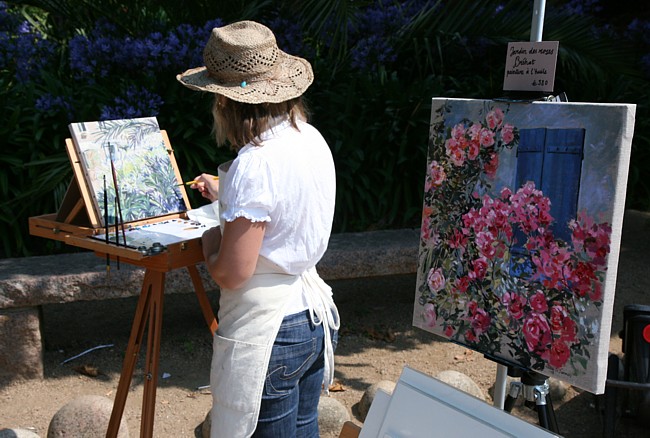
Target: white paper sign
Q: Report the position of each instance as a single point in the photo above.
(530, 66)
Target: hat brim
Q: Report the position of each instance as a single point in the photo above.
(291, 79)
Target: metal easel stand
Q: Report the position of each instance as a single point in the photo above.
(536, 391)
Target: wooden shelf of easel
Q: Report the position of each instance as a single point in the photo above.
(176, 255)
(78, 220)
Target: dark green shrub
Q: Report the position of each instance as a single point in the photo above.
(377, 66)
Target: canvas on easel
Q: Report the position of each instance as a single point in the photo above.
(132, 154)
(522, 217)
(127, 192)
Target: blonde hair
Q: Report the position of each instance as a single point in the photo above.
(240, 123)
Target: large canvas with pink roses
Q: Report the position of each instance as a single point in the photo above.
(521, 223)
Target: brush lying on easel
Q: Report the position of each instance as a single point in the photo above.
(108, 257)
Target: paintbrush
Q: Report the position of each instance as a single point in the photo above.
(117, 200)
(189, 183)
(108, 257)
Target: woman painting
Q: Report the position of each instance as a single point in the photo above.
(274, 348)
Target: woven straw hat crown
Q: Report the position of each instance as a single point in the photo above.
(243, 62)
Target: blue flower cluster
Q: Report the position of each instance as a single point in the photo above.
(289, 36)
(22, 50)
(49, 103)
(583, 7)
(639, 32)
(136, 101)
(373, 33)
(107, 58)
(104, 52)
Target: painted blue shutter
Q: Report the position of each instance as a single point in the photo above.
(530, 157)
(561, 177)
(552, 159)
(530, 163)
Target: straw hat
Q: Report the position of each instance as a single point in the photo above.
(243, 62)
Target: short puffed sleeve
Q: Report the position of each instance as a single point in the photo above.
(247, 192)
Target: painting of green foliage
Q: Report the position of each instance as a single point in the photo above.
(127, 165)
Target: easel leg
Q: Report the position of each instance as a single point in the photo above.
(131, 356)
(537, 394)
(153, 354)
(513, 395)
(546, 415)
(206, 308)
(500, 386)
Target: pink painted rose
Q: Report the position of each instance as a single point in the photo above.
(569, 331)
(515, 304)
(437, 174)
(485, 243)
(474, 131)
(449, 331)
(473, 150)
(462, 283)
(507, 133)
(428, 233)
(537, 333)
(480, 268)
(458, 131)
(457, 240)
(558, 354)
(538, 302)
(596, 293)
(486, 137)
(436, 280)
(582, 277)
(494, 118)
(480, 321)
(492, 165)
(429, 315)
(457, 156)
(558, 315)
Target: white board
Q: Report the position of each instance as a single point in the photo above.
(422, 406)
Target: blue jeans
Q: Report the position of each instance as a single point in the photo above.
(294, 380)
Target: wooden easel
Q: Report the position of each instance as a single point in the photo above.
(150, 311)
(75, 224)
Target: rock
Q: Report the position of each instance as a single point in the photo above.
(85, 416)
(17, 433)
(558, 389)
(331, 416)
(461, 381)
(369, 396)
(21, 346)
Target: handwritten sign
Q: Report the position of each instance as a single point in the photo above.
(530, 66)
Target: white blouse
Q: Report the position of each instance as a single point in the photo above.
(290, 183)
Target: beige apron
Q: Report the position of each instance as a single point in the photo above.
(249, 321)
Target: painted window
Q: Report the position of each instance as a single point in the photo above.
(552, 159)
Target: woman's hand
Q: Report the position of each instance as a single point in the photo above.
(207, 185)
